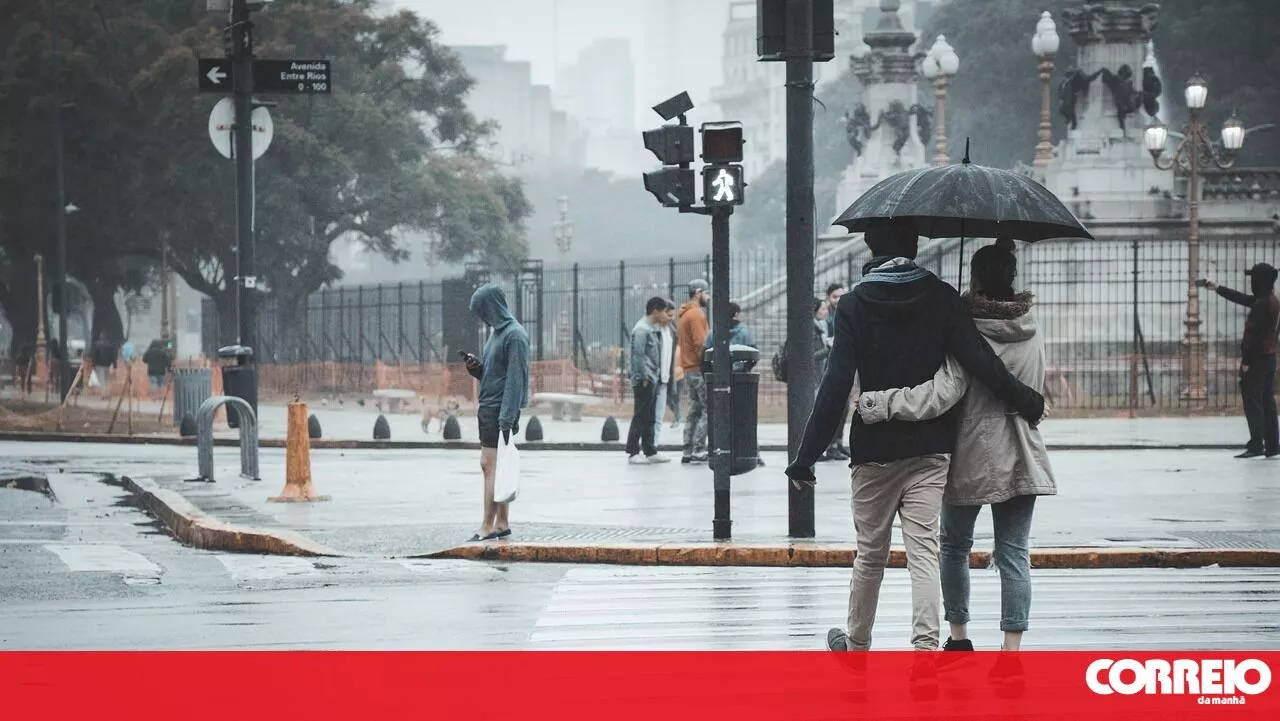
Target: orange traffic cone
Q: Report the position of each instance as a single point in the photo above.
(297, 462)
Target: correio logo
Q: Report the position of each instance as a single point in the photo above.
(1204, 677)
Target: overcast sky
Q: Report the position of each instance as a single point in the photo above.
(532, 30)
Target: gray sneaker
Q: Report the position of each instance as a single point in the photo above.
(837, 640)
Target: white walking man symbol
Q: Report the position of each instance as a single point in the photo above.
(723, 185)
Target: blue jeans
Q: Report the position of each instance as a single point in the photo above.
(1012, 520)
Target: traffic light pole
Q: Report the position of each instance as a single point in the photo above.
(242, 61)
(721, 379)
(801, 375)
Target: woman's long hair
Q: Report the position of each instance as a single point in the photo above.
(993, 270)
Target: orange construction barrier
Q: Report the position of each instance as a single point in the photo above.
(297, 460)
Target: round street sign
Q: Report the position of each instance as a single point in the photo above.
(222, 128)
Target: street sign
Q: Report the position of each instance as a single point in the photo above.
(309, 77)
(215, 76)
(722, 185)
(222, 121)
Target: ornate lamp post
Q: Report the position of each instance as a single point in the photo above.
(938, 65)
(41, 346)
(1045, 45)
(1194, 149)
(563, 228)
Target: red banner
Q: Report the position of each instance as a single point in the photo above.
(728, 686)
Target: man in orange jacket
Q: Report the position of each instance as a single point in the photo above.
(691, 329)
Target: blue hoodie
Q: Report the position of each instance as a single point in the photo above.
(505, 380)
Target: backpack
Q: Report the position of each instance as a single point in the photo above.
(779, 363)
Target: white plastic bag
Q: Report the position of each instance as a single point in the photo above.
(506, 476)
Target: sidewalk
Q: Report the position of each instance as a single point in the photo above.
(398, 502)
(351, 423)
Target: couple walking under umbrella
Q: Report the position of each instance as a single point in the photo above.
(950, 397)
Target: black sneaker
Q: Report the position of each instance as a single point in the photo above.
(947, 660)
(1250, 454)
(695, 458)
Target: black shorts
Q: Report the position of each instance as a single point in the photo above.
(487, 418)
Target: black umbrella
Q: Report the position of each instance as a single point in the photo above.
(955, 201)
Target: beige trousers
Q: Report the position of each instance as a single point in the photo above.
(912, 490)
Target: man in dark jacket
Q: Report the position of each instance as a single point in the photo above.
(894, 330)
(1258, 359)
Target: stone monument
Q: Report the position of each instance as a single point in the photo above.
(1110, 92)
(890, 129)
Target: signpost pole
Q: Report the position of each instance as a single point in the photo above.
(801, 374)
(721, 449)
(242, 63)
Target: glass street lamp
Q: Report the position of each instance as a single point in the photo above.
(1045, 45)
(1192, 151)
(938, 65)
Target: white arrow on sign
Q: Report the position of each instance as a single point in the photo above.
(216, 75)
(723, 185)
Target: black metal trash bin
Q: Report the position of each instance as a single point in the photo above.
(744, 391)
(239, 379)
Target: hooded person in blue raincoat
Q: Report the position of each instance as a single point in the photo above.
(503, 372)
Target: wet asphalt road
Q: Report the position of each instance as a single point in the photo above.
(90, 571)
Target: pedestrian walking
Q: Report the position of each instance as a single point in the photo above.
(893, 330)
(1258, 359)
(666, 380)
(648, 368)
(103, 355)
(503, 372)
(837, 451)
(692, 328)
(1000, 460)
(158, 360)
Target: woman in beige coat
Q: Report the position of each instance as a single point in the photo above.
(1000, 460)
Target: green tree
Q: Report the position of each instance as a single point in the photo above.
(392, 150)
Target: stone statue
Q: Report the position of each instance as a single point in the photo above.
(1075, 84)
(1127, 98)
(1148, 16)
(858, 128)
(924, 123)
(899, 120)
(1151, 89)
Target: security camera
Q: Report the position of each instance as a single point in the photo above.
(674, 107)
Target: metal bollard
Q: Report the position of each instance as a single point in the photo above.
(248, 436)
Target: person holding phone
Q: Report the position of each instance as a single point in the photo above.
(503, 372)
(1258, 358)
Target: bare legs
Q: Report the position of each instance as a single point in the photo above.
(495, 514)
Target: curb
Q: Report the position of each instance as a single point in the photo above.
(331, 444)
(841, 556)
(192, 527)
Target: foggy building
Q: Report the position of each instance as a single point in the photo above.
(598, 91)
(530, 131)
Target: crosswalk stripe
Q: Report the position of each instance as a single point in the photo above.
(691, 608)
(103, 558)
(243, 567)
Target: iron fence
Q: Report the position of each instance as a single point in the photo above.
(1111, 313)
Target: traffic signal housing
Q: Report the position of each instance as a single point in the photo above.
(673, 185)
(722, 142)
